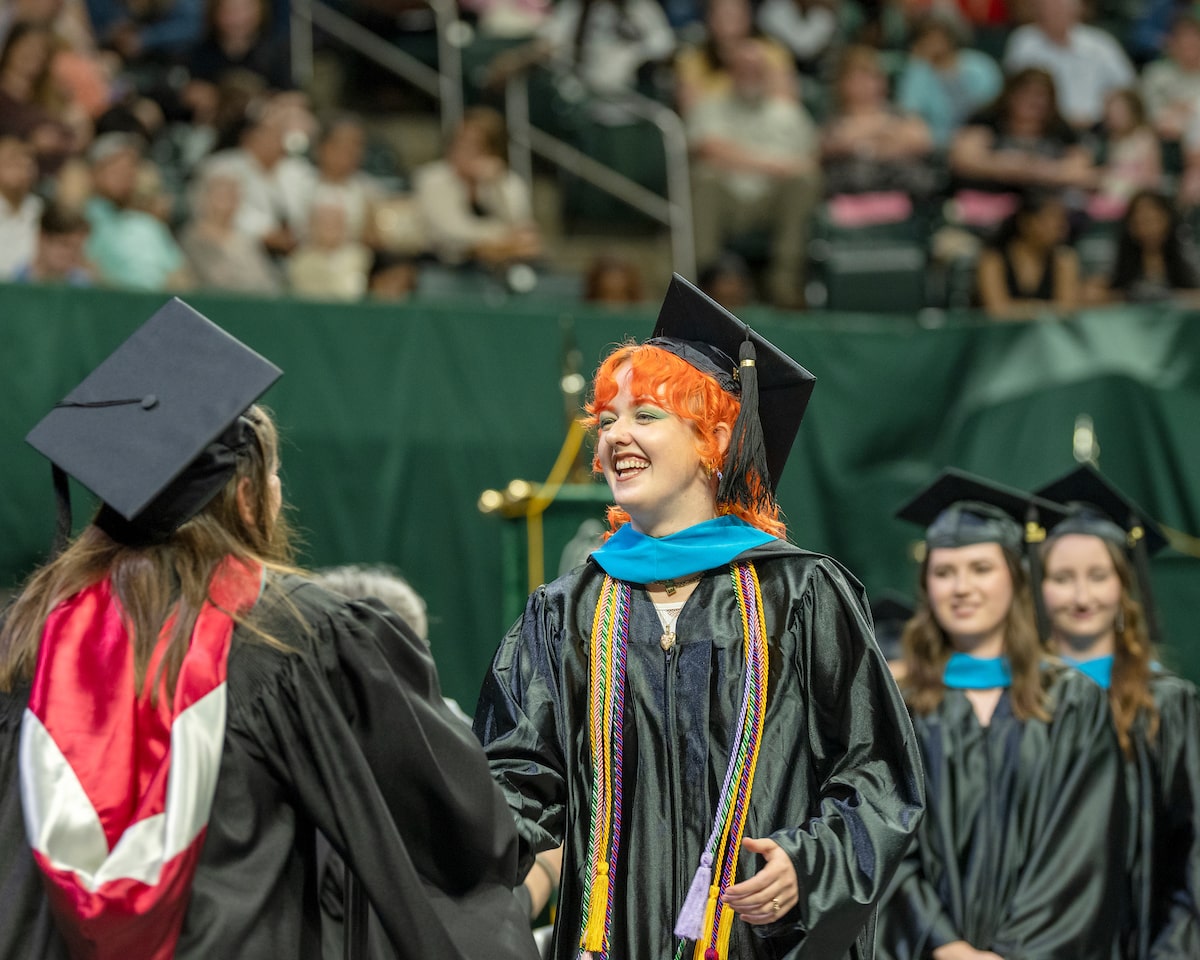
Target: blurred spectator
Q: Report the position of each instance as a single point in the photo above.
(32, 104)
(237, 38)
(754, 168)
(1030, 270)
(20, 209)
(340, 178)
(275, 186)
(147, 29)
(473, 206)
(808, 28)
(1155, 259)
(888, 25)
(77, 67)
(508, 18)
(129, 246)
(1148, 27)
(605, 42)
(392, 277)
(1085, 61)
(1133, 158)
(867, 145)
(728, 281)
(1171, 86)
(942, 82)
(222, 256)
(1019, 141)
(703, 69)
(614, 280)
(62, 235)
(329, 265)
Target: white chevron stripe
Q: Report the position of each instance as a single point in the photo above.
(62, 824)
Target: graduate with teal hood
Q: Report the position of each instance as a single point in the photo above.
(699, 711)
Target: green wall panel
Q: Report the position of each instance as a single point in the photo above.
(396, 418)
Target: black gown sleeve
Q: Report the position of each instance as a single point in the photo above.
(1067, 902)
(518, 721)
(27, 929)
(353, 722)
(870, 786)
(1176, 867)
(915, 922)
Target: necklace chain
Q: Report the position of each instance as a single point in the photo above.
(672, 585)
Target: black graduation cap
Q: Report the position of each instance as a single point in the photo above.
(774, 388)
(960, 509)
(1098, 508)
(154, 430)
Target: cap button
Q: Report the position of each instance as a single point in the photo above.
(149, 401)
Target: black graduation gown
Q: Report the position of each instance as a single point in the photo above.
(1164, 791)
(346, 733)
(1022, 845)
(838, 783)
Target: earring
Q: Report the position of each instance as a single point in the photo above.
(1119, 623)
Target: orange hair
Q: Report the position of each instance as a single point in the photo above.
(669, 382)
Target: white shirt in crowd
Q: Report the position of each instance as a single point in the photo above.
(18, 234)
(454, 225)
(269, 198)
(1085, 70)
(614, 46)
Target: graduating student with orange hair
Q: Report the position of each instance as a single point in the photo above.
(699, 710)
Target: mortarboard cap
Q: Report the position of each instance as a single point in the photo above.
(1098, 508)
(154, 430)
(699, 330)
(960, 509)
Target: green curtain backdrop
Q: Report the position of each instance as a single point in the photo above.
(396, 418)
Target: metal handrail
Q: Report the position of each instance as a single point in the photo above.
(443, 84)
(673, 211)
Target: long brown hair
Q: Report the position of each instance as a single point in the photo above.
(1133, 653)
(681, 389)
(152, 583)
(927, 647)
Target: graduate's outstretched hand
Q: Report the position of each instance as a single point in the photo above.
(768, 895)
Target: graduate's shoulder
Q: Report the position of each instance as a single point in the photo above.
(1069, 690)
(805, 569)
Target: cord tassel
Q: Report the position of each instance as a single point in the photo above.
(691, 917)
(710, 917)
(593, 933)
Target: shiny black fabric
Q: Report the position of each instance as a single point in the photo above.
(347, 734)
(1163, 777)
(1022, 845)
(838, 783)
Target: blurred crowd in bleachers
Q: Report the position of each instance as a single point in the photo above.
(1023, 156)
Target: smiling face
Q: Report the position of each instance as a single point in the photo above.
(971, 592)
(649, 458)
(1082, 591)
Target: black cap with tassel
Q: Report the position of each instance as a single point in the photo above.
(773, 388)
(1099, 509)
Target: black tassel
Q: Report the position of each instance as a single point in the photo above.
(747, 455)
(62, 509)
(1141, 562)
(1035, 536)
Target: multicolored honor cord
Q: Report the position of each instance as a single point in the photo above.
(704, 918)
